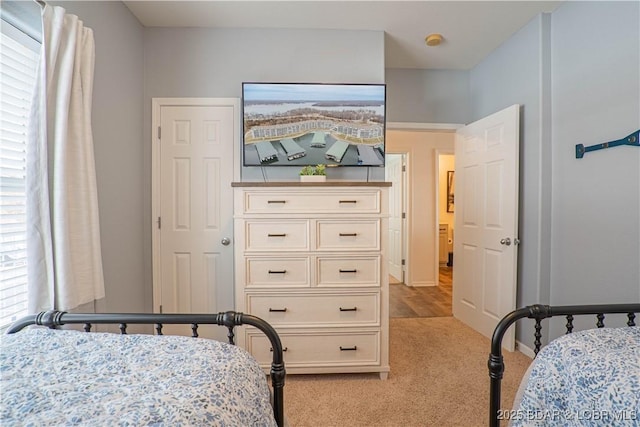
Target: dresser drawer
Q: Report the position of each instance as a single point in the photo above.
(317, 201)
(318, 348)
(277, 235)
(314, 309)
(348, 235)
(271, 272)
(348, 271)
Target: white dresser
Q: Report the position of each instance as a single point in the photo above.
(311, 260)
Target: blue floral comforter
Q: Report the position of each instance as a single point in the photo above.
(587, 378)
(100, 379)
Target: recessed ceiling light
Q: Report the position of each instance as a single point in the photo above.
(433, 39)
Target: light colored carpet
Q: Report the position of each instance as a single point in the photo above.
(438, 377)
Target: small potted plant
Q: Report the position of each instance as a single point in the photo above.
(313, 173)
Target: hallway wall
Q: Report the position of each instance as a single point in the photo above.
(421, 146)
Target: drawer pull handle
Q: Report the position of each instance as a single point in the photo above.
(277, 271)
(348, 271)
(283, 350)
(276, 201)
(349, 309)
(276, 235)
(354, 348)
(277, 310)
(348, 234)
(348, 201)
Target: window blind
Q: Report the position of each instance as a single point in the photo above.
(18, 64)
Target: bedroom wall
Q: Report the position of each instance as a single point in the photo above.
(518, 72)
(117, 120)
(214, 63)
(427, 96)
(596, 200)
(579, 218)
(135, 64)
(591, 205)
(198, 62)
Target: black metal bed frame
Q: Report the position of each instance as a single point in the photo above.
(539, 312)
(230, 319)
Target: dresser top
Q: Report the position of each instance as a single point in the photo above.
(311, 184)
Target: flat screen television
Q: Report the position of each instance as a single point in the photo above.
(299, 124)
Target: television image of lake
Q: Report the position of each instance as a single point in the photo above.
(291, 116)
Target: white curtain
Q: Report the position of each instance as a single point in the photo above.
(63, 236)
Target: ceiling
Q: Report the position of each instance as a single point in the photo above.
(471, 29)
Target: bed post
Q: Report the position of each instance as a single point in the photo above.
(496, 361)
(277, 365)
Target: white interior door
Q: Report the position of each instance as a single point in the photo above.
(486, 222)
(193, 252)
(394, 174)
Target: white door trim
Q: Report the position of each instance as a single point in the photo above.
(405, 220)
(157, 104)
(401, 191)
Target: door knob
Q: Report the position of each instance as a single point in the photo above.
(225, 241)
(505, 241)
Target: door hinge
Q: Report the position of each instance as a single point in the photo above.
(404, 215)
(404, 168)
(159, 223)
(159, 132)
(402, 262)
(160, 309)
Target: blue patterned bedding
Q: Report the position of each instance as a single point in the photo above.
(98, 379)
(587, 378)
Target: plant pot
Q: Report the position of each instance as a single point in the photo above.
(313, 178)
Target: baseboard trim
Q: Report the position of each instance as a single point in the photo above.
(527, 351)
(423, 284)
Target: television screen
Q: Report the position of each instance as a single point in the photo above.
(298, 124)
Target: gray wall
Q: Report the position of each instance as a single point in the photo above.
(427, 96)
(576, 85)
(518, 72)
(580, 219)
(118, 148)
(596, 200)
(183, 62)
(214, 62)
(134, 65)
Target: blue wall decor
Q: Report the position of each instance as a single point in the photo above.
(633, 139)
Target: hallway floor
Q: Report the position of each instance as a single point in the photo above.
(428, 301)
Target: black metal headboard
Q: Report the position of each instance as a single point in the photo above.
(539, 312)
(230, 319)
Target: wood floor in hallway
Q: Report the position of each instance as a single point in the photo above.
(429, 301)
